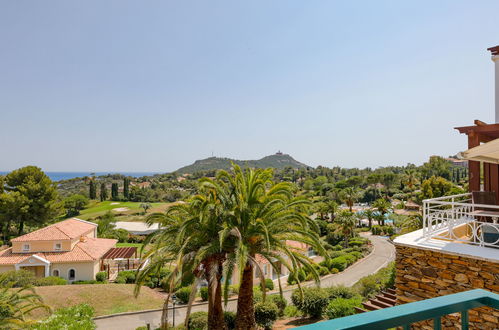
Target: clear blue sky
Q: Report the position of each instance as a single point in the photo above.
(154, 85)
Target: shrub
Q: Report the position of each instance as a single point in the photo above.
(269, 284)
(279, 301)
(339, 263)
(341, 307)
(120, 280)
(230, 320)
(335, 254)
(86, 282)
(299, 273)
(233, 289)
(266, 313)
(77, 317)
(18, 278)
(323, 271)
(334, 271)
(355, 243)
(203, 292)
(357, 254)
(291, 311)
(313, 302)
(183, 294)
(371, 285)
(50, 280)
(257, 294)
(101, 276)
(128, 276)
(349, 258)
(198, 321)
(341, 292)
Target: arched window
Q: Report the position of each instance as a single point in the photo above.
(72, 274)
(55, 272)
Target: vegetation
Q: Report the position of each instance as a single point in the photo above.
(77, 317)
(266, 313)
(16, 304)
(74, 204)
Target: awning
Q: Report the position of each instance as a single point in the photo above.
(487, 152)
(118, 253)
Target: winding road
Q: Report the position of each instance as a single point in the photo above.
(382, 254)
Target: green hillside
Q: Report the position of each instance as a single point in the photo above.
(278, 161)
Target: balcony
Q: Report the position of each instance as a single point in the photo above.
(404, 315)
(457, 219)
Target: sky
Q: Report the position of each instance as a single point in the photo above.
(154, 85)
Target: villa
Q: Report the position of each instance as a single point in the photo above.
(69, 249)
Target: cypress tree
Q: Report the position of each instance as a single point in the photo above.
(103, 192)
(126, 188)
(114, 191)
(92, 191)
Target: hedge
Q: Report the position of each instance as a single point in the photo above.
(313, 302)
(341, 307)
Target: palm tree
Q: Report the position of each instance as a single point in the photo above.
(369, 214)
(16, 304)
(411, 178)
(188, 242)
(383, 207)
(350, 196)
(332, 208)
(413, 222)
(263, 217)
(346, 222)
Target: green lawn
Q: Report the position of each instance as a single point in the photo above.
(137, 245)
(131, 210)
(104, 298)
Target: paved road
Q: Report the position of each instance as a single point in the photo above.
(383, 253)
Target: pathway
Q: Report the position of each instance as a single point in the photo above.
(382, 254)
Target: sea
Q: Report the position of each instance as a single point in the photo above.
(58, 176)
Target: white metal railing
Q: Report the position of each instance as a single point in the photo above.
(457, 218)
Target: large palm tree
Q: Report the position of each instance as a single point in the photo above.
(383, 207)
(369, 214)
(346, 222)
(262, 218)
(188, 242)
(350, 195)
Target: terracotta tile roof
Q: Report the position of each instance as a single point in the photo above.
(67, 229)
(90, 250)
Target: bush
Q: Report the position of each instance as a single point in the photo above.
(371, 285)
(183, 294)
(341, 307)
(233, 289)
(17, 278)
(349, 258)
(266, 313)
(257, 294)
(198, 321)
(299, 273)
(50, 280)
(291, 311)
(203, 292)
(341, 292)
(77, 317)
(279, 301)
(313, 302)
(339, 263)
(86, 282)
(269, 284)
(128, 276)
(120, 280)
(334, 271)
(230, 320)
(101, 276)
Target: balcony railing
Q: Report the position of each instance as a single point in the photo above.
(405, 315)
(456, 218)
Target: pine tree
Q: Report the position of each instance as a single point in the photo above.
(114, 191)
(103, 192)
(92, 191)
(126, 188)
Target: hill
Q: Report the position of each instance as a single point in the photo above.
(278, 161)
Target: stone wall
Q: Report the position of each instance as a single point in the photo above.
(423, 274)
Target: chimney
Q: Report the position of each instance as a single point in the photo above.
(495, 58)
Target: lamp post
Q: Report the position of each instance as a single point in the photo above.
(174, 299)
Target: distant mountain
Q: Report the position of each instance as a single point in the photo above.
(278, 161)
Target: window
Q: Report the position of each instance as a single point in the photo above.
(55, 272)
(71, 274)
(57, 246)
(26, 247)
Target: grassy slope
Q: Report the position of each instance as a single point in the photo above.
(104, 298)
(96, 209)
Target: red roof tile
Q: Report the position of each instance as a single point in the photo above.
(67, 229)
